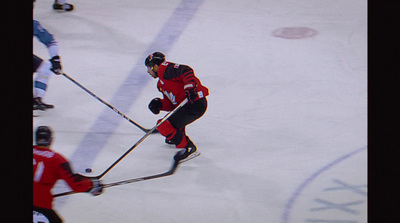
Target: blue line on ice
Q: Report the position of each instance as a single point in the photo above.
(92, 143)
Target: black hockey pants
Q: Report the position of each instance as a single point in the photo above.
(188, 114)
(174, 127)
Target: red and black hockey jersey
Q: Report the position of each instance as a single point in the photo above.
(48, 167)
(172, 81)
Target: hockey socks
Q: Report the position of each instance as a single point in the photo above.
(41, 79)
(173, 135)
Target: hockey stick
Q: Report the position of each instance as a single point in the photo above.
(144, 137)
(134, 180)
(108, 105)
(133, 147)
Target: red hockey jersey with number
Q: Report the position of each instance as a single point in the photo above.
(48, 167)
(172, 79)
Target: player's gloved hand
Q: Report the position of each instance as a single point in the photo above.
(97, 187)
(155, 105)
(56, 64)
(191, 92)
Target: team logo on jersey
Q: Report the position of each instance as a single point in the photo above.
(47, 154)
(170, 96)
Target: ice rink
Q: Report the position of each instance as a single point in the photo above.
(284, 139)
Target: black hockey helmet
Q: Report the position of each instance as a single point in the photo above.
(155, 58)
(43, 136)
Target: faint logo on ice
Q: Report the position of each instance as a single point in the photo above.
(294, 32)
(336, 193)
(342, 202)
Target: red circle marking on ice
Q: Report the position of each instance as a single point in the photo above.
(294, 32)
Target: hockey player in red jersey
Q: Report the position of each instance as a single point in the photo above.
(48, 167)
(176, 82)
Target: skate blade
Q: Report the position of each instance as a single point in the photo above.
(38, 113)
(191, 156)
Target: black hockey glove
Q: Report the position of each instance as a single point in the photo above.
(155, 105)
(191, 92)
(56, 64)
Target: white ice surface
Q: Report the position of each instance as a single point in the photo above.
(284, 131)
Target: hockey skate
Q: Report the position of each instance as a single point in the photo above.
(39, 105)
(188, 153)
(63, 7)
